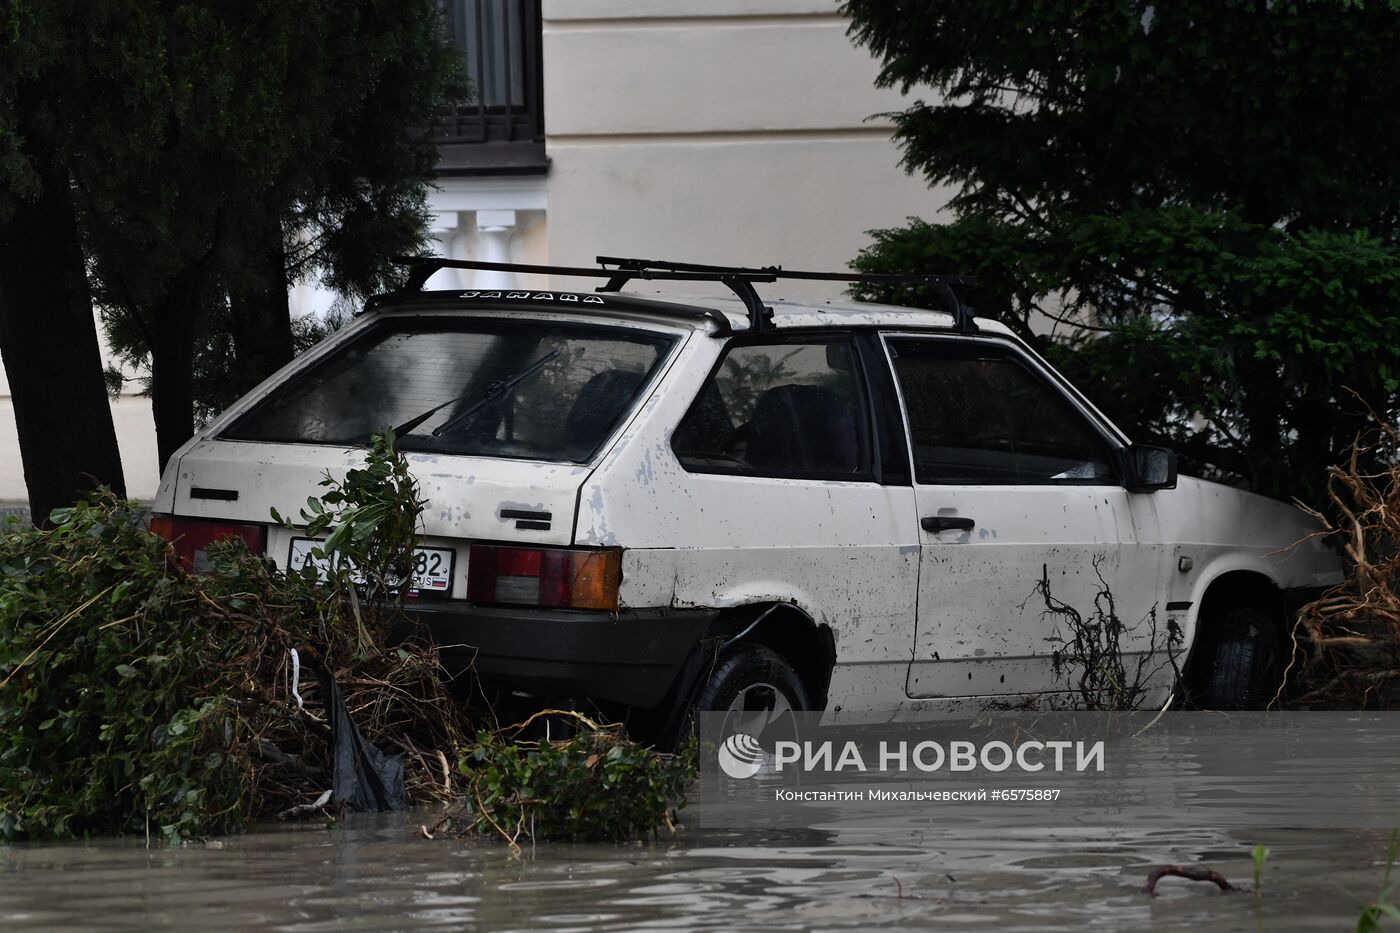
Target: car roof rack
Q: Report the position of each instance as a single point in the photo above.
(738, 279)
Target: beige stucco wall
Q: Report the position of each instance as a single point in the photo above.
(718, 131)
(136, 439)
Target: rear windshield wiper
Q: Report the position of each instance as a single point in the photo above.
(493, 391)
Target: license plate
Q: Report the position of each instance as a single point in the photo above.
(432, 566)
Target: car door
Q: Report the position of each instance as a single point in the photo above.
(1022, 510)
(786, 493)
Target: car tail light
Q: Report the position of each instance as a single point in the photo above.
(191, 537)
(555, 577)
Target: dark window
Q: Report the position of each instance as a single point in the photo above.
(786, 409)
(500, 127)
(529, 390)
(979, 415)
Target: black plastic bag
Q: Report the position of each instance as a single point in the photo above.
(364, 779)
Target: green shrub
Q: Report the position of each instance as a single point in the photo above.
(111, 720)
(596, 785)
(138, 698)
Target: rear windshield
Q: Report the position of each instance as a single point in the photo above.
(533, 390)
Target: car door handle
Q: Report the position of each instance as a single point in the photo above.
(938, 523)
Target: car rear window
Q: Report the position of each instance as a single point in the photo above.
(531, 390)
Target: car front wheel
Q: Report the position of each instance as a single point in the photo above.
(1244, 661)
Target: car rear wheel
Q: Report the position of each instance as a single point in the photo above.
(753, 681)
(1244, 661)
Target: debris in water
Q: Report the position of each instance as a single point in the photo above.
(1184, 871)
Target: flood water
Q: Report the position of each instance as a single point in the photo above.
(376, 875)
(831, 868)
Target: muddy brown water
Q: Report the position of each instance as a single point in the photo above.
(374, 874)
(1325, 816)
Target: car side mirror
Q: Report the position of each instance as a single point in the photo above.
(1150, 468)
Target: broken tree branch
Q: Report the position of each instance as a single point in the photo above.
(1184, 871)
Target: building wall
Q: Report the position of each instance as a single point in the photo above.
(728, 131)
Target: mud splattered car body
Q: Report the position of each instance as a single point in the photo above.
(857, 501)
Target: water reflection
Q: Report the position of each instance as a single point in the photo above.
(837, 868)
(373, 874)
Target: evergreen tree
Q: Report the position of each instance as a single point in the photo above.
(48, 338)
(181, 162)
(230, 149)
(1205, 193)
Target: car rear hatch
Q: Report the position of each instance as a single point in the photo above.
(467, 497)
(499, 420)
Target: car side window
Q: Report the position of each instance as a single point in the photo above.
(791, 409)
(979, 415)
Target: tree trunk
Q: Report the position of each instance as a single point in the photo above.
(261, 312)
(1261, 397)
(48, 341)
(175, 322)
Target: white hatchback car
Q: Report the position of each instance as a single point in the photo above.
(658, 507)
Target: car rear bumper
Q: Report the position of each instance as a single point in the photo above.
(630, 657)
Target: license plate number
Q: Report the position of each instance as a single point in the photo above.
(432, 566)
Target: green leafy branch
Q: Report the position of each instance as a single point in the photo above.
(370, 521)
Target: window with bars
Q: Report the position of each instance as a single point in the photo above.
(500, 128)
